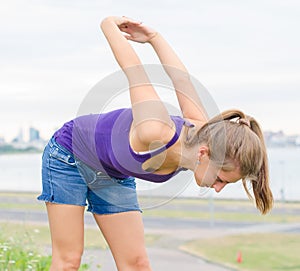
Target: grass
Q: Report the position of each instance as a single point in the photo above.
(268, 251)
(40, 234)
(224, 216)
(224, 210)
(217, 202)
(16, 255)
(25, 246)
(22, 206)
(18, 252)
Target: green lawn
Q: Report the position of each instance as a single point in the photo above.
(224, 216)
(243, 210)
(267, 252)
(263, 252)
(39, 235)
(25, 246)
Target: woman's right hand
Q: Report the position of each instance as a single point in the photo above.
(136, 31)
(119, 20)
(133, 30)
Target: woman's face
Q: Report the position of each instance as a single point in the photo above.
(207, 174)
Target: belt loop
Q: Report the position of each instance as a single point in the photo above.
(51, 142)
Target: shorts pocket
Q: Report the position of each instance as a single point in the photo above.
(62, 155)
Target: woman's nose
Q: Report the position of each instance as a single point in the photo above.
(218, 186)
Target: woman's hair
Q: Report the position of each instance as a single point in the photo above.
(236, 140)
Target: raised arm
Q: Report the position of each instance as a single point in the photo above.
(151, 120)
(188, 98)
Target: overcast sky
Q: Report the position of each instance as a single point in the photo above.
(245, 53)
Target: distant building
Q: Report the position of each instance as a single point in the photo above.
(34, 134)
(279, 139)
(19, 138)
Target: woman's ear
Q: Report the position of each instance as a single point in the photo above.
(203, 151)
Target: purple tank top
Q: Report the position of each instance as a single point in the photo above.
(102, 142)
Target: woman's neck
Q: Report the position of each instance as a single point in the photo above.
(187, 156)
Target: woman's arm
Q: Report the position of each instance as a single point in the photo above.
(151, 120)
(188, 99)
(187, 96)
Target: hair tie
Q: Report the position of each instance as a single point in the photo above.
(245, 122)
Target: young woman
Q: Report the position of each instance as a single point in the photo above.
(95, 158)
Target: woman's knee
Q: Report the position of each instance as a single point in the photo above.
(139, 263)
(69, 261)
(142, 263)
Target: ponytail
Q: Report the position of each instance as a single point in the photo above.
(260, 185)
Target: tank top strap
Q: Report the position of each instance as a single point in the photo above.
(179, 122)
(188, 123)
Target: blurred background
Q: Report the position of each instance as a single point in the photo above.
(245, 53)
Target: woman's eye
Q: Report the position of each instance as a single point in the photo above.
(219, 180)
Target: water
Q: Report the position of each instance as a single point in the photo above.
(21, 172)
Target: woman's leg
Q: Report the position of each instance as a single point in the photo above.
(67, 234)
(124, 233)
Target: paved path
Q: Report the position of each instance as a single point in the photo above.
(161, 260)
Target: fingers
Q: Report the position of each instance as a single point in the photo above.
(128, 37)
(130, 20)
(124, 28)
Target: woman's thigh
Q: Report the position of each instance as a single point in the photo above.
(124, 232)
(67, 230)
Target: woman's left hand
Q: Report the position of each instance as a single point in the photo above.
(137, 32)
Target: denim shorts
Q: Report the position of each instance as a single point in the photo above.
(67, 180)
